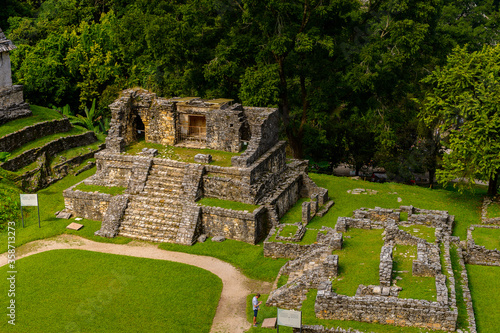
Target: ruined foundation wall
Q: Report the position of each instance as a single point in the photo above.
(232, 224)
(385, 310)
(88, 205)
(14, 140)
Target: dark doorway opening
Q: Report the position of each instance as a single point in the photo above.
(140, 129)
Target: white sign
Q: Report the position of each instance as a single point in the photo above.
(29, 200)
(290, 318)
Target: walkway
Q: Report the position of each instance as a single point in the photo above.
(231, 311)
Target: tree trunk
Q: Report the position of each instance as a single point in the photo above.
(432, 174)
(493, 184)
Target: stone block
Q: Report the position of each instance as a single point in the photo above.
(218, 239)
(203, 158)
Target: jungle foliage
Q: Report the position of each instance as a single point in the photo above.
(346, 75)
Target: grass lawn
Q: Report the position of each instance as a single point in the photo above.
(421, 231)
(248, 258)
(113, 190)
(40, 114)
(310, 237)
(487, 237)
(485, 288)
(416, 287)
(466, 207)
(288, 230)
(228, 204)
(81, 291)
(220, 158)
(462, 320)
(294, 214)
(359, 260)
(73, 152)
(493, 210)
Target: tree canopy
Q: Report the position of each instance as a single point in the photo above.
(464, 102)
(346, 75)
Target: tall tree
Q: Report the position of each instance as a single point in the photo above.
(465, 102)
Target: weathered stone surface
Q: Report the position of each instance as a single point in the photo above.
(218, 239)
(64, 215)
(203, 158)
(202, 238)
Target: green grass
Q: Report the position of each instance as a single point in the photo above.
(487, 237)
(46, 139)
(113, 190)
(81, 291)
(220, 158)
(40, 114)
(416, 287)
(74, 152)
(51, 200)
(248, 258)
(359, 260)
(493, 209)
(227, 204)
(421, 231)
(485, 288)
(466, 206)
(282, 280)
(288, 230)
(294, 215)
(462, 320)
(310, 237)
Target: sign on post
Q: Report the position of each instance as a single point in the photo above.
(289, 318)
(30, 200)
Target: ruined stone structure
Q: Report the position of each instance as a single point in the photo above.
(160, 201)
(12, 105)
(375, 303)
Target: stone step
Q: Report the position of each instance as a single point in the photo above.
(163, 171)
(163, 238)
(149, 225)
(164, 179)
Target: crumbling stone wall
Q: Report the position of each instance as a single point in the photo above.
(385, 266)
(92, 206)
(17, 139)
(377, 214)
(238, 225)
(428, 262)
(480, 255)
(50, 149)
(224, 127)
(12, 105)
(263, 123)
(385, 310)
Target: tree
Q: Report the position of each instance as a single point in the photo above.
(464, 101)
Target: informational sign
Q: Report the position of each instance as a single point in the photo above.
(290, 318)
(29, 200)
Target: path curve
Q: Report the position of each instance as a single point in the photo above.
(231, 311)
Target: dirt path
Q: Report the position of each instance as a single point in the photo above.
(230, 315)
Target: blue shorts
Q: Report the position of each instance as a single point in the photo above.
(255, 312)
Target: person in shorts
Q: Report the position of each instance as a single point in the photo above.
(255, 305)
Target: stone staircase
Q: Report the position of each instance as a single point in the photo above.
(156, 213)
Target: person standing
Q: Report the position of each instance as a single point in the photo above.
(255, 304)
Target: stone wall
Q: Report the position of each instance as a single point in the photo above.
(92, 206)
(376, 214)
(263, 124)
(238, 225)
(17, 139)
(322, 329)
(385, 266)
(484, 211)
(12, 105)
(224, 128)
(384, 310)
(480, 255)
(50, 149)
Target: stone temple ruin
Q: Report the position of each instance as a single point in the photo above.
(314, 266)
(12, 105)
(159, 203)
